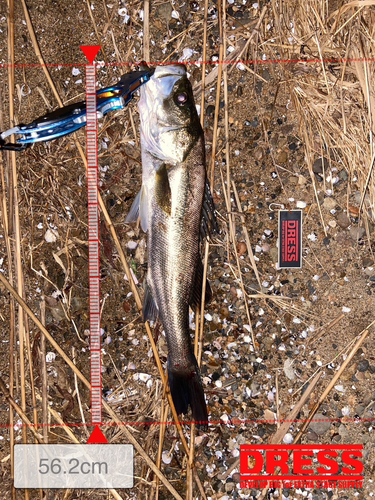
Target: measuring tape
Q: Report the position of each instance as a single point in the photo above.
(94, 251)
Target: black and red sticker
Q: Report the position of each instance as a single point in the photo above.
(290, 239)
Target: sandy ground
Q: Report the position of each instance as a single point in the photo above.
(290, 311)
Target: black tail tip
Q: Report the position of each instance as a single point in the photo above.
(188, 391)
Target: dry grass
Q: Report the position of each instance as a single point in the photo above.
(334, 101)
(335, 106)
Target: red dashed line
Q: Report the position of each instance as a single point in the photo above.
(197, 63)
(185, 422)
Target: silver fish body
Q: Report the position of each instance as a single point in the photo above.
(170, 206)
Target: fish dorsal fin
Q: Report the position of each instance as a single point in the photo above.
(139, 209)
(163, 194)
(150, 309)
(209, 223)
(196, 292)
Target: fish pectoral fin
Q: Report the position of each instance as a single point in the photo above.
(163, 194)
(196, 292)
(209, 222)
(150, 309)
(139, 209)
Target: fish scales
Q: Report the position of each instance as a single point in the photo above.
(170, 204)
(173, 254)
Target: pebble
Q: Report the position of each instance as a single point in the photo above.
(349, 372)
(241, 248)
(363, 365)
(50, 357)
(58, 312)
(357, 233)
(164, 11)
(368, 418)
(236, 477)
(321, 424)
(51, 236)
(367, 262)
(253, 123)
(282, 157)
(318, 165)
(288, 438)
(144, 377)
(312, 237)
(288, 369)
(359, 410)
(343, 220)
(360, 375)
(258, 153)
(132, 245)
(336, 438)
(312, 436)
(229, 486)
(269, 416)
(274, 254)
(343, 175)
(210, 110)
(329, 203)
(166, 457)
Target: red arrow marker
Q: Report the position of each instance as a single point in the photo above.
(97, 437)
(90, 51)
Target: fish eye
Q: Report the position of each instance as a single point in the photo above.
(181, 98)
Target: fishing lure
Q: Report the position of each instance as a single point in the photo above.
(70, 118)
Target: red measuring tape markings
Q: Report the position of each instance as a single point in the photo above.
(94, 261)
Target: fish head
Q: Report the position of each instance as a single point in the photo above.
(170, 124)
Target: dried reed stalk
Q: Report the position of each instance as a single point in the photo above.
(146, 30)
(83, 379)
(16, 220)
(44, 376)
(5, 222)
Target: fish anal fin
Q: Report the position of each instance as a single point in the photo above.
(163, 194)
(150, 310)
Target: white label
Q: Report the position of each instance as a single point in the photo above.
(73, 466)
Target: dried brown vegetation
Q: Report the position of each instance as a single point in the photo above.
(326, 92)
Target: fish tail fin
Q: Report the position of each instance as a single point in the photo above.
(187, 389)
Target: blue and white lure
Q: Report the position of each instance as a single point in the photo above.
(70, 118)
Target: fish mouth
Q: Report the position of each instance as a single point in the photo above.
(170, 70)
(162, 82)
